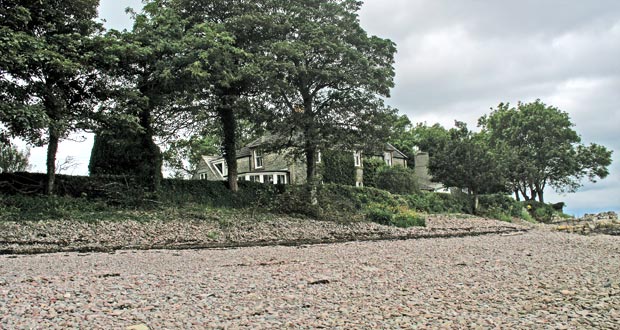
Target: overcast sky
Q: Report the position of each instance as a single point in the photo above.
(457, 59)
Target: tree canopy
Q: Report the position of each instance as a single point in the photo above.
(540, 148)
(467, 161)
(326, 77)
(49, 78)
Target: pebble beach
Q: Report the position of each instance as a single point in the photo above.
(514, 280)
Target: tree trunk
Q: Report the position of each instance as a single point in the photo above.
(52, 149)
(151, 174)
(310, 137)
(532, 192)
(517, 196)
(311, 172)
(476, 203)
(229, 126)
(539, 189)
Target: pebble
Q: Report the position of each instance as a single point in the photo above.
(386, 284)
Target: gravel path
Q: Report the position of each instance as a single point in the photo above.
(540, 279)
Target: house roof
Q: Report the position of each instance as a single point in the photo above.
(397, 152)
(209, 161)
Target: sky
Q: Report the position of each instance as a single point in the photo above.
(458, 59)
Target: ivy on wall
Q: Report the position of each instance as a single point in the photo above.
(338, 167)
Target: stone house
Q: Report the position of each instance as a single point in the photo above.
(281, 167)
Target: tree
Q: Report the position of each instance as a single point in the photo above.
(12, 159)
(409, 138)
(163, 72)
(238, 76)
(401, 137)
(467, 161)
(540, 148)
(327, 76)
(49, 78)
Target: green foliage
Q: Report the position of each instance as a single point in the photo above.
(12, 159)
(500, 206)
(422, 137)
(525, 215)
(397, 180)
(371, 169)
(538, 147)
(467, 161)
(400, 216)
(431, 202)
(338, 167)
(50, 82)
(326, 77)
(379, 214)
(541, 212)
(124, 153)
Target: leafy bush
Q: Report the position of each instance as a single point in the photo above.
(541, 212)
(431, 202)
(371, 168)
(501, 202)
(379, 214)
(407, 218)
(338, 167)
(400, 216)
(397, 180)
(499, 206)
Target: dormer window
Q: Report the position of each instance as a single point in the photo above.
(258, 159)
(221, 167)
(357, 156)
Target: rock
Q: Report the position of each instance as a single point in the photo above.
(137, 327)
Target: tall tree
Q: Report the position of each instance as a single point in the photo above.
(467, 161)
(540, 148)
(163, 71)
(327, 77)
(49, 82)
(237, 78)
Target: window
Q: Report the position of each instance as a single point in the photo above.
(281, 179)
(358, 158)
(387, 156)
(203, 176)
(255, 178)
(318, 157)
(258, 159)
(221, 167)
(268, 178)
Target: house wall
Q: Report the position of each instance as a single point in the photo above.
(359, 174)
(298, 172)
(243, 164)
(399, 162)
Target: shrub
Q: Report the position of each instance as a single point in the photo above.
(400, 216)
(371, 168)
(431, 202)
(499, 206)
(541, 212)
(408, 218)
(338, 167)
(397, 180)
(379, 214)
